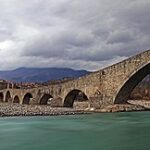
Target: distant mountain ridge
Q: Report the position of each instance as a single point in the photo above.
(40, 74)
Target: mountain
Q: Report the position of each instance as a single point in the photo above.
(40, 74)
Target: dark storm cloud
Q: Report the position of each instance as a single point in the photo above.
(79, 34)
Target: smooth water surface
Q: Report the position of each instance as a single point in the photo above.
(117, 131)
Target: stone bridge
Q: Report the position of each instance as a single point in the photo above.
(111, 85)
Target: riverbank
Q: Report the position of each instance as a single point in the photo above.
(8, 110)
(122, 108)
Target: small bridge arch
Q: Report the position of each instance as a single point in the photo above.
(26, 99)
(73, 95)
(1, 97)
(16, 99)
(8, 97)
(44, 99)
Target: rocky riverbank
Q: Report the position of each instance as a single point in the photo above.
(122, 108)
(7, 109)
(35, 110)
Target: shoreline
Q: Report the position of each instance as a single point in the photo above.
(18, 110)
(69, 113)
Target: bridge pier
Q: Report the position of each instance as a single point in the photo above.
(33, 101)
(99, 102)
(56, 102)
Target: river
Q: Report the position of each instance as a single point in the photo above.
(108, 131)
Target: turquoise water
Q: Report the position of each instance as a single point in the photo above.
(117, 131)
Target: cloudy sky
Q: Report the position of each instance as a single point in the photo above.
(81, 34)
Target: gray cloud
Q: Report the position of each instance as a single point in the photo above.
(76, 34)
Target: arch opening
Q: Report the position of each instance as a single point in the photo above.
(124, 93)
(27, 98)
(8, 97)
(1, 97)
(16, 99)
(45, 98)
(74, 95)
(142, 90)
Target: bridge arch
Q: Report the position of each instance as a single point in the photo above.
(26, 99)
(44, 99)
(126, 89)
(1, 97)
(8, 97)
(16, 99)
(74, 95)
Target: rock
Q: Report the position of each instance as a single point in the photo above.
(7, 109)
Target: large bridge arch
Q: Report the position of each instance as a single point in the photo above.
(72, 96)
(127, 87)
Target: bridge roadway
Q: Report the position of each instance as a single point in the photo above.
(111, 85)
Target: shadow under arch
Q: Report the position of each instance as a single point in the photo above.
(1, 97)
(16, 99)
(45, 98)
(73, 95)
(8, 97)
(27, 97)
(127, 88)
